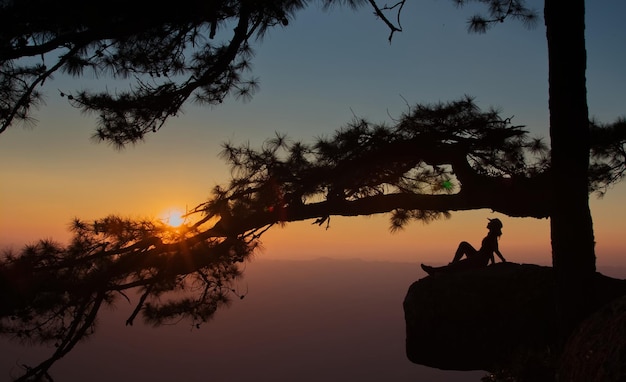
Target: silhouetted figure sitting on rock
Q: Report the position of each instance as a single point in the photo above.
(474, 258)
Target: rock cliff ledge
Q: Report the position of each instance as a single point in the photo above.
(486, 319)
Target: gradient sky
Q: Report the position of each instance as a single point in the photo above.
(316, 74)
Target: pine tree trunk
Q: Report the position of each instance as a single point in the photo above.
(571, 225)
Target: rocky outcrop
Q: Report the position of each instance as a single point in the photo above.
(486, 319)
(596, 352)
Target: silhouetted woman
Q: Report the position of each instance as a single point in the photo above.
(474, 258)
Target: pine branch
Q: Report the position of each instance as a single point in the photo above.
(381, 15)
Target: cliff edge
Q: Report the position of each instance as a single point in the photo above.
(498, 317)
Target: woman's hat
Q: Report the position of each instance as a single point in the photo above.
(495, 223)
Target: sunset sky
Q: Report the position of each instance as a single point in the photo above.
(316, 74)
(333, 319)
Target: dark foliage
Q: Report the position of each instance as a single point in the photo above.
(433, 160)
(156, 57)
(163, 54)
(53, 293)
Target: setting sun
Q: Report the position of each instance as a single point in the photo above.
(173, 218)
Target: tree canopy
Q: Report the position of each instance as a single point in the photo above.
(168, 55)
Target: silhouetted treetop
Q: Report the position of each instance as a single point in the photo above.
(52, 293)
(161, 56)
(168, 54)
(434, 159)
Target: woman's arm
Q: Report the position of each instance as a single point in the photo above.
(497, 252)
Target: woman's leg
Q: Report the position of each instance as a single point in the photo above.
(466, 249)
(455, 266)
